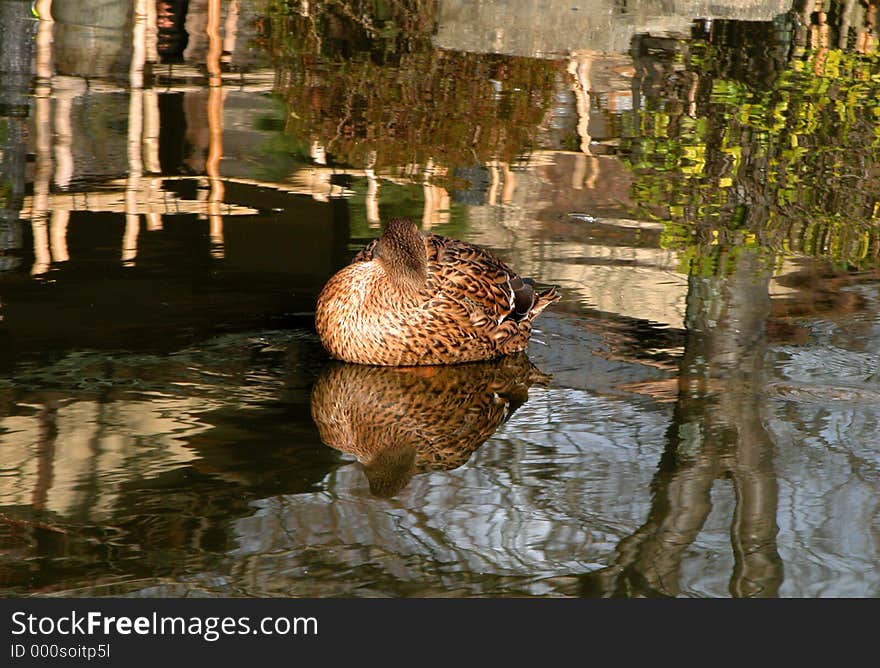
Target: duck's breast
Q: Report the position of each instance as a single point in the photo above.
(360, 318)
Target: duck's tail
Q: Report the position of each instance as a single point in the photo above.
(543, 299)
(528, 302)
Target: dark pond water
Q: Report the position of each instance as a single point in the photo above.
(698, 416)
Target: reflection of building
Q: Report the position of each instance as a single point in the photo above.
(609, 261)
(131, 157)
(610, 264)
(53, 453)
(554, 28)
(116, 119)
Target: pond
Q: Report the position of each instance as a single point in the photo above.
(698, 416)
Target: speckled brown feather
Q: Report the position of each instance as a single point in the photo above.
(462, 309)
(406, 420)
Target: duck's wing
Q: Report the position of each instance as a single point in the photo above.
(474, 277)
(477, 280)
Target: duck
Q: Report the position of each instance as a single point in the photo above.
(409, 299)
(399, 422)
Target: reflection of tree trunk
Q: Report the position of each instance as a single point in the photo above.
(16, 63)
(729, 328)
(717, 431)
(45, 456)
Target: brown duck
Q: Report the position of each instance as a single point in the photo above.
(399, 422)
(409, 299)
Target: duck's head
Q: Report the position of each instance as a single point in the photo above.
(401, 252)
(392, 466)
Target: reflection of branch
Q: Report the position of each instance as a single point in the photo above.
(365, 22)
(30, 524)
(347, 107)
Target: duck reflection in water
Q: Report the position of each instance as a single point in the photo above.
(400, 421)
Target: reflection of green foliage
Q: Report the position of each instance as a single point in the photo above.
(363, 79)
(398, 201)
(717, 252)
(795, 162)
(280, 153)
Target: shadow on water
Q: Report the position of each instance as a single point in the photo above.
(696, 417)
(175, 292)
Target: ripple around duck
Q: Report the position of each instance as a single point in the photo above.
(551, 496)
(812, 392)
(822, 362)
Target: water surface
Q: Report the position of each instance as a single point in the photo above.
(697, 417)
